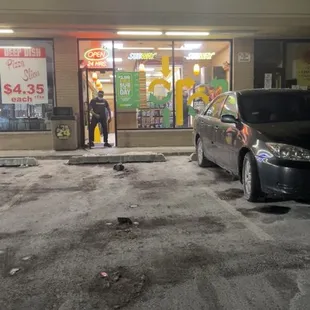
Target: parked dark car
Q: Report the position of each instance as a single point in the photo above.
(260, 136)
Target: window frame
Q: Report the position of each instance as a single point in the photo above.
(212, 104)
(237, 113)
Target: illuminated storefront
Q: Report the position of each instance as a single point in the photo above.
(153, 85)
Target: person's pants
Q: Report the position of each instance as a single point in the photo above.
(104, 125)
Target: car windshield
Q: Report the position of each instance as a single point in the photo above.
(259, 108)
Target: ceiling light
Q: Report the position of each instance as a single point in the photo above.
(105, 80)
(6, 31)
(185, 47)
(192, 45)
(115, 59)
(186, 33)
(23, 47)
(136, 48)
(149, 69)
(140, 33)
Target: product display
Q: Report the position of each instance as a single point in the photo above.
(160, 116)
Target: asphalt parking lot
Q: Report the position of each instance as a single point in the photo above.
(154, 236)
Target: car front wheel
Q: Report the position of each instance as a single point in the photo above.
(202, 160)
(250, 179)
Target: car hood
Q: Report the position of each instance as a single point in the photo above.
(293, 133)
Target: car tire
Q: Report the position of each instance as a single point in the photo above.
(250, 179)
(201, 158)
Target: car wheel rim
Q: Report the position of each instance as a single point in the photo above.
(200, 152)
(248, 178)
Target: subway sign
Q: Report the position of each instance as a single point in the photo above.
(142, 56)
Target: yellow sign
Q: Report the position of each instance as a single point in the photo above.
(163, 82)
(302, 73)
(165, 66)
(188, 83)
(180, 84)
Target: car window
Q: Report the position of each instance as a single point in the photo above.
(257, 108)
(230, 106)
(215, 109)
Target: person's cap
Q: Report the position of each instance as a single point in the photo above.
(100, 92)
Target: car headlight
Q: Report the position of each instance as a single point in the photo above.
(289, 152)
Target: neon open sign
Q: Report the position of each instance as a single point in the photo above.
(96, 54)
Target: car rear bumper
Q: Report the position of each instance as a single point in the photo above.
(287, 181)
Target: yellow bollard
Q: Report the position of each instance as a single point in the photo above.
(97, 136)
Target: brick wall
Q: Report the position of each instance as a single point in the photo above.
(66, 74)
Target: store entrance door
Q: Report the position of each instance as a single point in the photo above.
(91, 81)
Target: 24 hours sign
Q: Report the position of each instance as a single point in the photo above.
(23, 75)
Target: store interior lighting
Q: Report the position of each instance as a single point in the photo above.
(136, 48)
(149, 69)
(6, 31)
(187, 33)
(185, 47)
(140, 33)
(115, 59)
(105, 80)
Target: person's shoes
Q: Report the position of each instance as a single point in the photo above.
(107, 144)
(91, 144)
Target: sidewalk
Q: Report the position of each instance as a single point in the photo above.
(50, 154)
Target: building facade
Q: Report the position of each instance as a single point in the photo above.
(157, 64)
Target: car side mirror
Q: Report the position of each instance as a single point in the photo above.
(228, 119)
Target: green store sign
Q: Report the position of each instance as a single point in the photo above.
(127, 90)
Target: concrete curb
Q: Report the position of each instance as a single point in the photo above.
(68, 156)
(114, 159)
(18, 162)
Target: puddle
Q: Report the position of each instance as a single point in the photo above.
(274, 210)
(277, 210)
(230, 194)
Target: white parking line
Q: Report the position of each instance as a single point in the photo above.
(258, 232)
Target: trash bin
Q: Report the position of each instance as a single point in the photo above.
(64, 129)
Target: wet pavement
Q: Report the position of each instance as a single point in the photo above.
(191, 241)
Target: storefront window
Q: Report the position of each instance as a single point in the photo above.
(268, 64)
(297, 69)
(157, 84)
(27, 85)
(202, 72)
(144, 84)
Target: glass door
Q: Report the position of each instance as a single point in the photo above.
(84, 111)
(93, 81)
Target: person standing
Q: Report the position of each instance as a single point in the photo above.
(101, 113)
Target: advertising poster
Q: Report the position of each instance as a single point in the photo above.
(303, 72)
(127, 90)
(23, 75)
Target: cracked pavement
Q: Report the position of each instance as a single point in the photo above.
(195, 242)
